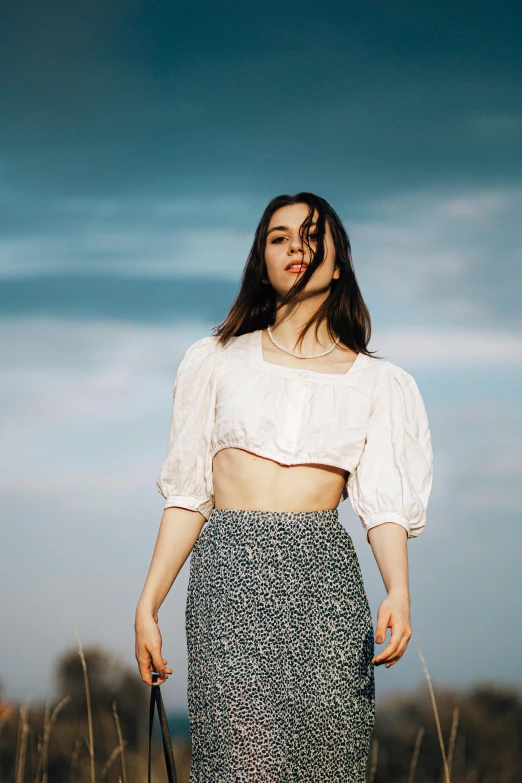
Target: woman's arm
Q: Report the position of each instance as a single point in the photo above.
(179, 530)
(389, 543)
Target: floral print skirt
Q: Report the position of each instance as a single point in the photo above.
(280, 642)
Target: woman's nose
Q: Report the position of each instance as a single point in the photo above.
(296, 244)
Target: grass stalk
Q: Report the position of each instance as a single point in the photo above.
(50, 720)
(120, 741)
(41, 743)
(415, 756)
(74, 759)
(436, 713)
(453, 738)
(90, 743)
(110, 761)
(23, 731)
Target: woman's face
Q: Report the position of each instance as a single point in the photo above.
(285, 253)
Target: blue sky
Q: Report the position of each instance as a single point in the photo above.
(138, 147)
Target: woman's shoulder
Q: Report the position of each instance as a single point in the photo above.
(389, 378)
(211, 345)
(201, 353)
(205, 344)
(385, 369)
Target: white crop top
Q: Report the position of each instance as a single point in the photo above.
(371, 421)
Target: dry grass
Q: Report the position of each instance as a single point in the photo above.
(415, 757)
(453, 738)
(90, 743)
(74, 760)
(21, 749)
(121, 743)
(82, 773)
(437, 720)
(49, 721)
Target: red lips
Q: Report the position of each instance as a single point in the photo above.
(295, 263)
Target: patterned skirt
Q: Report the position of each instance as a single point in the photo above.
(280, 641)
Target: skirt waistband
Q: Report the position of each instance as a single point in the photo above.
(280, 518)
(324, 513)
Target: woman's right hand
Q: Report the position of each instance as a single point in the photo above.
(179, 529)
(148, 647)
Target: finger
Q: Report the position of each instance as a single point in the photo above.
(388, 651)
(390, 654)
(402, 649)
(394, 660)
(393, 645)
(380, 633)
(144, 665)
(382, 626)
(158, 665)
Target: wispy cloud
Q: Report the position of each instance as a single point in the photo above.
(84, 412)
(446, 259)
(451, 347)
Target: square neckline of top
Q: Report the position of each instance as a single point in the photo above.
(262, 362)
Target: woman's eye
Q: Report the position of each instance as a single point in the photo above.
(278, 239)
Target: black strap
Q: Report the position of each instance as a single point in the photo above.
(156, 700)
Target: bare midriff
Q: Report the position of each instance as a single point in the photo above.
(243, 480)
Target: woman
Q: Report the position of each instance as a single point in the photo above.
(272, 427)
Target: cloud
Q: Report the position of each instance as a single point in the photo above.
(451, 348)
(84, 399)
(445, 259)
(84, 411)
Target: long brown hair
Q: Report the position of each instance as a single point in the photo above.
(256, 304)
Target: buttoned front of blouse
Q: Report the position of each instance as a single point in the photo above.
(371, 421)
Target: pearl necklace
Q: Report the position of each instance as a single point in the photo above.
(301, 355)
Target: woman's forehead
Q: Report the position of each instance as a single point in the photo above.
(282, 216)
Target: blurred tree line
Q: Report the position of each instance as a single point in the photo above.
(481, 731)
(52, 743)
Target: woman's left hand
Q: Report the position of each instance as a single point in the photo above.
(394, 613)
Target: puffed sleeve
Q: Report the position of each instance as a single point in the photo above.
(185, 478)
(392, 482)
